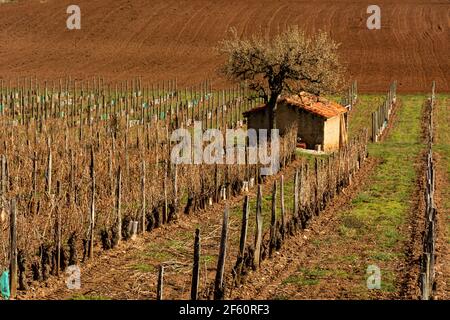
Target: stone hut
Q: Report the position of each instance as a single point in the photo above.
(322, 124)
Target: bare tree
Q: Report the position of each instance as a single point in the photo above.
(288, 63)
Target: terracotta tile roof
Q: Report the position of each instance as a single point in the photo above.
(256, 109)
(310, 103)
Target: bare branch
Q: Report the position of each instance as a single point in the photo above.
(289, 62)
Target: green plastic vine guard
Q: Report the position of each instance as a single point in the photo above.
(4, 285)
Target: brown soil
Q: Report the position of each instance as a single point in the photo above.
(163, 39)
(442, 195)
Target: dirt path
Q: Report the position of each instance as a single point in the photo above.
(415, 227)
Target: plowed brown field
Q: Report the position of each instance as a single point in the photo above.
(164, 39)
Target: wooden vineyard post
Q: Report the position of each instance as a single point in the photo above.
(243, 237)
(81, 120)
(196, 266)
(316, 187)
(66, 138)
(127, 165)
(72, 176)
(347, 161)
(13, 248)
(219, 287)
(296, 196)
(58, 231)
(273, 221)
(160, 286)
(175, 193)
(166, 204)
(302, 181)
(110, 171)
(373, 128)
(49, 168)
(259, 227)
(283, 218)
(244, 227)
(143, 196)
(3, 182)
(119, 204)
(92, 213)
(433, 92)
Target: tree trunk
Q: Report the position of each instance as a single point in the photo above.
(272, 110)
